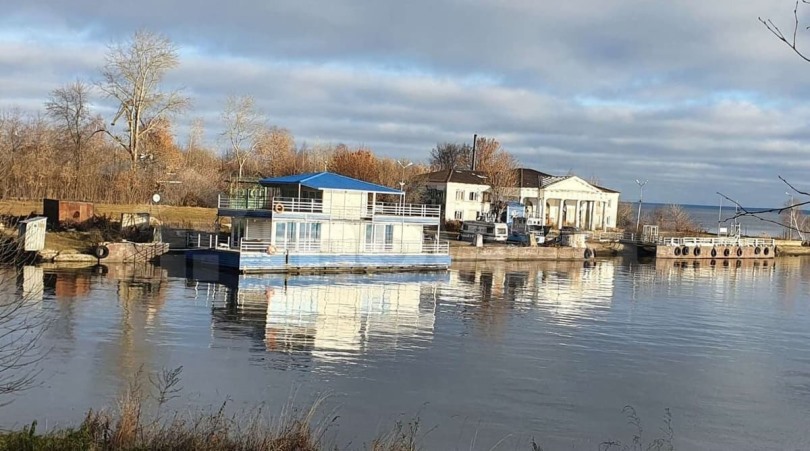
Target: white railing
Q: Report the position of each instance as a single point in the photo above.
(394, 209)
(282, 205)
(206, 241)
(716, 241)
(346, 246)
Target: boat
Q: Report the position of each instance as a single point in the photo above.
(323, 222)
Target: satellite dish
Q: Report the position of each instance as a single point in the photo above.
(156, 198)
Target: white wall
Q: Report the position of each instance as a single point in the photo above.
(469, 208)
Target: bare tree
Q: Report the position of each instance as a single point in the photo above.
(69, 106)
(132, 76)
(21, 324)
(244, 126)
(498, 166)
(450, 156)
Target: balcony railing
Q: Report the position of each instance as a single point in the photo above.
(413, 210)
(243, 202)
(282, 205)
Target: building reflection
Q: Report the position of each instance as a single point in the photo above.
(335, 317)
(561, 287)
(140, 290)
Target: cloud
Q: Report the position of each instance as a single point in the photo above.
(698, 97)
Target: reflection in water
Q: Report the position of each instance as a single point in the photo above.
(565, 289)
(125, 348)
(532, 349)
(331, 318)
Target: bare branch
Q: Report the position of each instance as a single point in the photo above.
(779, 35)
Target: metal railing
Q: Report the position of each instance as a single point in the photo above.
(395, 209)
(716, 241)
(206, 241)
(243, 202)
(283, 205)
(699, 241)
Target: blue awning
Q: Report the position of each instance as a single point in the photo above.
(328, 181)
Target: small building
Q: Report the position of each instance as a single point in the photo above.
(324, 221)
(61, 212)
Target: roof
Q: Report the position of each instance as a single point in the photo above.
(607, 190)
(456, 176)
(529, 178)
(328, 181)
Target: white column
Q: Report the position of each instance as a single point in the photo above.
(604, 216)
(561, 211)
(577, 215)
(542, 204)
(591, 210)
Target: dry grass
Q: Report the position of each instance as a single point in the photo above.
(169, 215)
(130, 427)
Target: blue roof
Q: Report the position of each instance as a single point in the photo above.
(328, 180)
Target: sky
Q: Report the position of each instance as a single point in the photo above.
(697, 97)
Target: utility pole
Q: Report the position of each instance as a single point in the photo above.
(640, 200)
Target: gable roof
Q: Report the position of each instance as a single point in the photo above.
(456, 176)
(328, 180)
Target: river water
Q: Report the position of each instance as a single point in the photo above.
(483, 355)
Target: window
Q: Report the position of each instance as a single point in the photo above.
(286, 234)
(459, 194)
(379, 237)
(458, 215)
(473, 195)
(310, 238)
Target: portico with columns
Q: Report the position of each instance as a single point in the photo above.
(570, 201)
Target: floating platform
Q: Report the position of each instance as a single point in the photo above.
(706, 248)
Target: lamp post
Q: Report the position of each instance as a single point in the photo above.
(720, 216)
(640, 199)
(790, 216)
(402, 177)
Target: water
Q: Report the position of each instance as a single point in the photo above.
(484, 354)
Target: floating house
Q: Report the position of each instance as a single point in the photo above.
(319, 222)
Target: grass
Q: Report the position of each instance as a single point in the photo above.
(131, 428)
(168, 214)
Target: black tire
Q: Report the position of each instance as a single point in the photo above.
(739, 252)
(696, 251)
(677, 251)
(757, 250)
(766, 251)
(588, 253)
(101, 251)
(685, 251)
(726, 252)
(714, 252)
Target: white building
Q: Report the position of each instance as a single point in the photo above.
(463, 194)
(558, 200)
(566, 200)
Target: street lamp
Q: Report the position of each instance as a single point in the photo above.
(790, 216)
(640, 199)
(402, 178)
